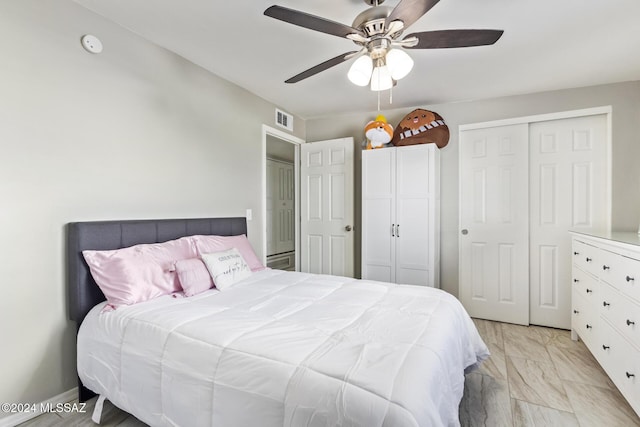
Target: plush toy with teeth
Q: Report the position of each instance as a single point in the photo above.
(421, 127)
(378, 133)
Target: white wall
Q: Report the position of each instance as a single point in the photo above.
(623, 97)
(135, 132)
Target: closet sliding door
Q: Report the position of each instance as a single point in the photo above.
(568, 189)
(494, 218)
(522, 188)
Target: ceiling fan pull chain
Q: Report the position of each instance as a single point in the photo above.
(391, 95)
(379, 101)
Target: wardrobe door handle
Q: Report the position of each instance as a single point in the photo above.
(630, 322)
(576, 253)
(589, 326)
(588, 259)
(589, 291)
(575, 312)
(629, 375)
(393, 230)
(397, 230)
(630, 279)
(605, 267)
(605, 304)
(575, 280)
(605, 347)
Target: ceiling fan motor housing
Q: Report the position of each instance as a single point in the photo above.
(373, 20)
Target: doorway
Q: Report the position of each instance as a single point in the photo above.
(281, 201)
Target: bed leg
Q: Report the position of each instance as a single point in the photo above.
(97, 410)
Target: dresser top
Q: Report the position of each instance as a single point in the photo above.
(628, 237)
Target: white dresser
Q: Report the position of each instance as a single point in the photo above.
(606, 305)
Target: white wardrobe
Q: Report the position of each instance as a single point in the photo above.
(401, 215)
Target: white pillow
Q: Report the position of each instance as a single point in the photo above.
(226, 267)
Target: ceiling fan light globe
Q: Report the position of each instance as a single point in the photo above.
(399, 63)
(381, 79)
(360, 71)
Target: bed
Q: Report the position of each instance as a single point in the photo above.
(276, 349)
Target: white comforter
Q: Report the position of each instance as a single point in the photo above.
(285, 349)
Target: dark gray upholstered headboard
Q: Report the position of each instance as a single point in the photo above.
(84, 294)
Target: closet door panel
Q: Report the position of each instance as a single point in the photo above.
(414, 213)
(568, 189)
(378, 214)
(494, 218)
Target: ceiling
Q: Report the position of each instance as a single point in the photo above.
(547, 45)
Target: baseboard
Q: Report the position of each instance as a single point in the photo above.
(18, 418)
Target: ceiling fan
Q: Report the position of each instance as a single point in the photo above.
(381, 60)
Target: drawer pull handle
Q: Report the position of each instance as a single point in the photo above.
(629, 375)
(589, 291)
(630, 279)
(605, 304)
(575, 312)
(575, 280)
(576, 253)
(630, 322)
(605, 267)
(605, 347)
(588, 259)
(589, 326)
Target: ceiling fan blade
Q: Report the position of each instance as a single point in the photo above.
(454, 38)
(321, 67)
(409, 11)
(311, 22)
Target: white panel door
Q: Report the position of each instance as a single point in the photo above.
(568, 190)
(280, 207)
(272, 179)
(494, 223)
(326, 193)
(415, 219)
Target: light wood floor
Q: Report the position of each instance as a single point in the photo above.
(535, 377)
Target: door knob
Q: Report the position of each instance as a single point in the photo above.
(464, 231)
(348, 228)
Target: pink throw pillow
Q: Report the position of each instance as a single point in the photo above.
(138, 273)
(193, 276)
(210, 244)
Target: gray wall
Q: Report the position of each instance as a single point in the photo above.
(623, 97)
(135, 132)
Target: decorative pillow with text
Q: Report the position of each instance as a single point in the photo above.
(226, 267)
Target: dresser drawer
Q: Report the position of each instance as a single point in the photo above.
(586, 257)
(627, 277)
(586, 286)
(584, 319)
(609, 303)
(605, 347)
(608, 266)
(627, 320)
(625, 371)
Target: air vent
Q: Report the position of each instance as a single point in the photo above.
(284, 120)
